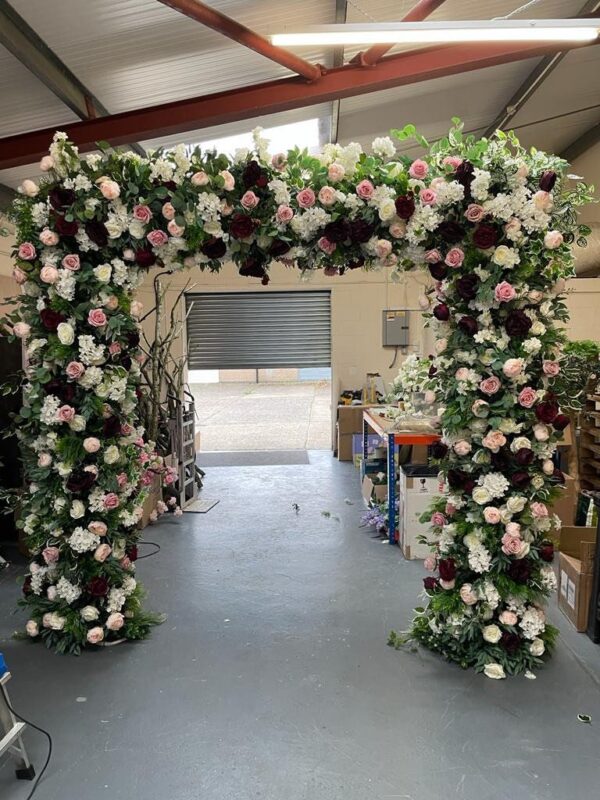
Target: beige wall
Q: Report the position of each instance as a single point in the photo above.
(584, 309)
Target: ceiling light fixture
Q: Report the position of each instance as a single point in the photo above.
(542, 30)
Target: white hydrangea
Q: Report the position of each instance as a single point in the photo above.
(162, 170)
(496, 484)
(129, 585)
(90, 353)
(49, 410)
(383, 147)
(38, 579)
(533, 622)
(480, 186)
(39, 214)
(479, 559)
(307, 224)
(65, 285)
(281, 192)
(82, 540)
(116, 600)
(68, 591)
(91, 377)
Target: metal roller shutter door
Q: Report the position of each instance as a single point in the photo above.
(256, 330)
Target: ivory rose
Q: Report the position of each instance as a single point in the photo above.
(175, 229)
(383, 248)
(65, 333)
(199, 178)
(109, 189)
(492, 634)
(494, 440)
(48, 238)
(541, 432)
(397, 229)
(335, 172)
(467, 595)
(97, 527)
(115, 621)
(48, 274)
(508, 618)
(21, 330)
(553, 240)
(95, 635)
(91, 444)
(494, 671)
(46, 163)
(513, 367)
(228, 180)
(44, 460)
(102, 552)
(327, 196)
(462, 447)
(537, 647)
(168, 211)
(32, 628)
(491, 515)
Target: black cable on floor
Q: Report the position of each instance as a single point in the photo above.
(153, 553)
(48, 757)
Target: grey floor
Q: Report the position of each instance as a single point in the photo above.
(271, 679)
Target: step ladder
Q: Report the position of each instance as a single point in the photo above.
(11, 731)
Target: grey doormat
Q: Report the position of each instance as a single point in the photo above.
(200, 506)
(252, 458)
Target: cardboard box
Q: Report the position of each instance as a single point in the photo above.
(373, 491)
(350, 419)
(420, 454)
(344, 446)
(566, 439)
(416, 493)
(566, 505)
(575, 566)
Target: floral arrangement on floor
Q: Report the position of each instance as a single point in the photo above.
(492, 223)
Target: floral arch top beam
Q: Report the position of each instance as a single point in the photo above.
(492, 223)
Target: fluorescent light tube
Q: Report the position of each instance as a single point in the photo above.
(543, 30)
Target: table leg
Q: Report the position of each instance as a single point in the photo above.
(391, 476)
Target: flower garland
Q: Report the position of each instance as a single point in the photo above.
(492, 223)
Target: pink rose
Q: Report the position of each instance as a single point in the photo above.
(326, 246)
(539, 510)
(111, 302)
(450, 510)
(111, 501)
(126, 562)
(490, 385)
(97, 318)
(48, 274)
(418, 169)
(551, 368)
(74, 370)
(437, 518)
(115, 621)
(433, 256)
(27, 251)
(397, 229)
(535, 296)
(365, 190)
(504, 292)
(46, 164)
(91, 444)
(553, 239)
(50, 554)
(467, 595)
(430, 563)
(452, 161)
(228, 180)
(110, 190)
(65, 413)
(508, 618)
(428, 197)
(423, 301)
(462, 374)
(114, 348)
(306, 198)
(126, 429)
(513, 367)
(284, 213)
(157, 238)
(527, 397)
(454, 257)
(200, 179)
(383, 248)
(494, 440)
(95, 635)
(21, 330)
(98, 528)
(175, 229)
(71, 262)
(462, 448)
(513, 529)
(142, 213)
(128, 254)
(511, 545)
(121, 480)
(44, 460)
(102, 552)
(543, 200)
(491, 515)
(335, 172)
(474, 212)
(48, 238)
(19, 275)
(327, 196)
(249, 200)
(278, 161)
(168, 211)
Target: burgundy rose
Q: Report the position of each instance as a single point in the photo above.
(80, 481)
(439, 450)
(520, 570)
(547, 180)
(511, 642)
(251, 174)
(97, 232)
(125, 361)
(456, 479)
(112, 427)
(517, 324)
(520, 479)
(430, 583)
(547, 411)
(524, 456)
(560, 422)
(438, 271)
(559, 476)
(501, 459)
(51, 319)
(64, 227)
(447, 569)
(465, 173)
(61, 198)
(98, 587)
(279, 247)
(467, 286)
(144, 258)
(405, 206)
(252, 268)
(356, 264)
(337, 231)
(26, 588)
(265, 280)
(170, 185)
(64, 391)
(132, 552)
(361, 230)
(468, 325)
(432, 371)
(133, 338)
(214, 247)
(441, 312)
(485, 236)
(547, 551)
(450, 232)
(241, 226)
(469, 485)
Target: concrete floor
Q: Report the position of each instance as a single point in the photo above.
(264, 416)
(271, 679)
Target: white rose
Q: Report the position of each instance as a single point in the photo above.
(537, 481)
(51, 593)
(103, 272)
(114, 228)
(520, 443)
(77, 424)
(387, 210)
(524, 551)
(137, 229)
(111, 454)
(492, 634)
(481, 495)
(516, 504)
(537, 647)
(54, 621)
(500, 256)
(65, 333)
(541, 432)
(89, 613)
(32, 628)
(29, 188)
(494, 671)
(441, 345)
(77, 509)
(471, 540)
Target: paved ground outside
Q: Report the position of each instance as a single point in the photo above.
(263, 416)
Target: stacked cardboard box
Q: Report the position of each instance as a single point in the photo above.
(575, 566)
(419, 484)
(349, 422)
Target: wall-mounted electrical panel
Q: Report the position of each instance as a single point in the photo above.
(395, 327)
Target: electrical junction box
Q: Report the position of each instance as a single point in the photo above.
(395, 327)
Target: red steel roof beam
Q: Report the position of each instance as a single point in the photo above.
(274, 96)
(418, 12)
(219, 22)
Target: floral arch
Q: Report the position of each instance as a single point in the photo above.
(492, 223)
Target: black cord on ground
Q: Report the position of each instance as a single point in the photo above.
(48, 757)
(153, 553)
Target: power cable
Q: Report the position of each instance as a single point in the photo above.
(50, 747)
